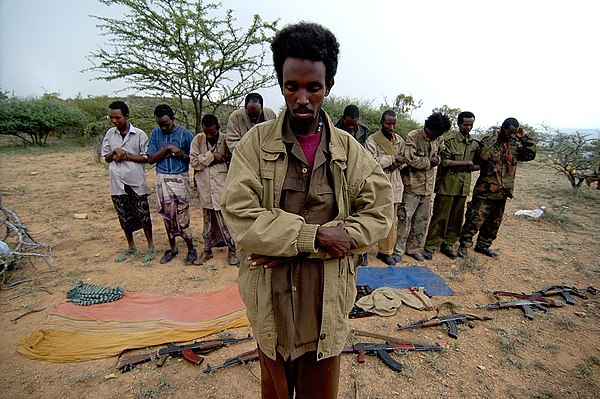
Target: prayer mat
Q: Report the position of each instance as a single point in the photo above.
(77, 333)
(403, 277)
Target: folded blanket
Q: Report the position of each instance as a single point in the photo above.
(76, 333)
(385, 301)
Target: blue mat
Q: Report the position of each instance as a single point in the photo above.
(403, 277)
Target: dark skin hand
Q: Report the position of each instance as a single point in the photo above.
(398, 161)
(462, 166)
(434, 161)
(120, 155)
(335, 240)
(218, 158)
(168, 151)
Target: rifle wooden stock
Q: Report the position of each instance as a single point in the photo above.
(189, 351)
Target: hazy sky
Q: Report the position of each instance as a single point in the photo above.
(534, 60)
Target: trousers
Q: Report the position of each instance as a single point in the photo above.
(309, 378)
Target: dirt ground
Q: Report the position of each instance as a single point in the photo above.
(556, 355)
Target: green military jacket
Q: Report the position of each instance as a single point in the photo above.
(419, 176)
(456, 148)
(499, 165)
(251, 207)
(360, 134)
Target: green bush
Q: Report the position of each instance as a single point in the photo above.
(33, 119)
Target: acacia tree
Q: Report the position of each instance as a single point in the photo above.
(576, 156)
(404, 105)
(451, 113)
(185, 50)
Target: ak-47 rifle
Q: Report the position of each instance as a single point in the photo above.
(242, 358)
(564, 291)
(450, 321)
(526, 305)
(382, 351)
(190, 352)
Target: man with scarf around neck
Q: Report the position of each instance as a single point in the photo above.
(497, 157)
(209, 157)
(303, 200)
(387, 148)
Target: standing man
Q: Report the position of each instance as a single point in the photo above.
(497, 156)
(302, 200)
(422, 154)
(452, 186)
(387, 148)
(350, 123)
(170, 150)
(125, 149)
(242, 120)
(209, 156)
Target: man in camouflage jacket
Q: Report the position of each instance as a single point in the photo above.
(498, 156)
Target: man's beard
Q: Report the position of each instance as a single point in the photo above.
(302, 124)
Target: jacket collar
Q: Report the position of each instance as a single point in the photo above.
(273, 142)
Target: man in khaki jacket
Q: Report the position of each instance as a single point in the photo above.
(422, 154)
(303, 200)
(242, 120)
(387, 148)
(209, 157)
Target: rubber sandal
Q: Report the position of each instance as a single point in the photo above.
(168, 256)
(126, 255)
(191, 257)
(150, 255)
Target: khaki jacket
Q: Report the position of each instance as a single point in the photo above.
(250, 205)
(210, 179)
(419, 176)
(239, 124)
(385, 161)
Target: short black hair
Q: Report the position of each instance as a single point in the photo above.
(210, 120)
(463, 115)
(307, 41)
(120, 105)
(438, 123)
(351, 110)
(508, 122)
(162, 110)
(388, 112)
(254, 98)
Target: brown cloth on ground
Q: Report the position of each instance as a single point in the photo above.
(385, 301)
(77, 333)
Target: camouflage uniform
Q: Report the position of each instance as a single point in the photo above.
(414, 211)
(495, 184)
(451, 190)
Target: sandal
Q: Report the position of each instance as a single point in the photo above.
(168, 256)
(129, 253)
(150, 255)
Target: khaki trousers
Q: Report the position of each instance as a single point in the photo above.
(386, 246)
